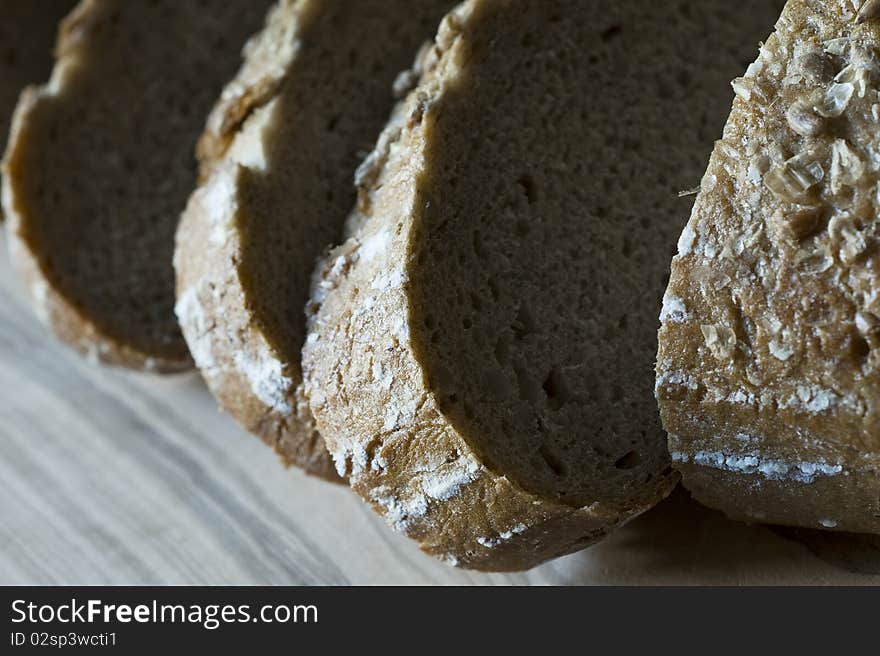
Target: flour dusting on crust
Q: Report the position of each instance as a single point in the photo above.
(753, 463)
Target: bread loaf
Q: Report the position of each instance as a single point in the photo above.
(768, 372)
(279, 158)
(480, 355)
(27, 33)
(100, 163)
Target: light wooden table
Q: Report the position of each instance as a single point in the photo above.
(110, 477)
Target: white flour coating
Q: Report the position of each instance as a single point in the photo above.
(401, 327)
(805, 397)
(341, 462)
(266, 378)
(769, 468)
(263, 372)
(379, 463)
(382, 376)
(351, 457)
(359, 458)
(340, 264)
(679, 378)
(813, 399)
(686, 241)
(218, 201)
(314, 394)
(400, 415)
(780, 351)
(502, 537)
(375, 245)
(435, 480)
(674, 309)
(391, 280)
(190, 312)
(446, 482)
(399, 512)
(740, 397)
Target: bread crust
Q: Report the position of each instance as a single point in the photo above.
(249, 373)
(74, 317)
(247, 377)
(239, 366)
(366, 386)
(267, 58)
(768, 376)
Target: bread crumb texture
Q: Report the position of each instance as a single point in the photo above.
(100, 164)
(278, 159)
(769, 383)
(480, 351)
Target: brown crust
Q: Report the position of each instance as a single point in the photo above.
(74, 30)
(233, 355)
(245, 374)
(768, 373)
(229, 117)
(267, 57)
(825, 503)
(366, 386)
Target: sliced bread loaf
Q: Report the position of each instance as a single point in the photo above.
(27, 34)
(481, 352)
(278, 160)
(100, 163)
(768, 372)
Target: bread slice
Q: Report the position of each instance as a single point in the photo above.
(278, 158)
(768, 372)
(480, 359)
(27, 33)
(100, 163)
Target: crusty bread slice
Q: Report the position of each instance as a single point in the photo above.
(100, 163)
(768, 372)
(480, 358)
(27, 34)
(278, 159)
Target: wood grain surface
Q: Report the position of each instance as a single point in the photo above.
(110, 477)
